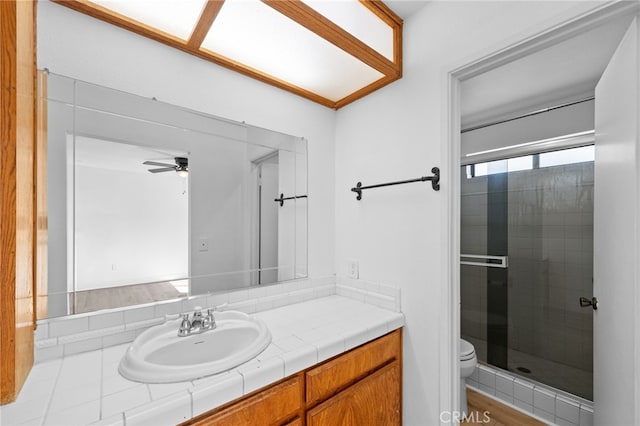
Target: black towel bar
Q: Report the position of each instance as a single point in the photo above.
(435, 183)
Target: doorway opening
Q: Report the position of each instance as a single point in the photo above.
(533, 95)
(267, 170)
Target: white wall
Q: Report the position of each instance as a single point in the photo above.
(398, 234)
(286, 216)
(218, 174)
(270, 218)
(81, 47)
(121, 227)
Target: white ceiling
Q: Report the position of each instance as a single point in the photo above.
(563, 72)
(103, 154)
(405, 8)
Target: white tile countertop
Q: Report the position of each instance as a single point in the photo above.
(87, 389)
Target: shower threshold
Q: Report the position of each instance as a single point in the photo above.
(560, 377)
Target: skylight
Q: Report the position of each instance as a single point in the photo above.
(256, 35)
(355, 18)
(173, 17)
(330, 51)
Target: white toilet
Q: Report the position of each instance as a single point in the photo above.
(468, 361)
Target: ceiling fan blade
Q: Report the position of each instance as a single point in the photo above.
(164, 169)
(154, 163)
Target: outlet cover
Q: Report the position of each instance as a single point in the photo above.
(203, 244)
(354, 269)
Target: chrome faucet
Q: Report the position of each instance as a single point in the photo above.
(199, 323)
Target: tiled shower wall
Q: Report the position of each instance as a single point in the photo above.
(473, 279)
(550, 248)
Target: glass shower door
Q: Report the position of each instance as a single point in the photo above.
(537, 211)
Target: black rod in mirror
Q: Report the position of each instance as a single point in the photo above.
(282, 198)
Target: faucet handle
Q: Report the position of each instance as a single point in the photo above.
(185, 326)
(197, 312)
(210, 319)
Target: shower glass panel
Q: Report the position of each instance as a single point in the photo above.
(538, 211)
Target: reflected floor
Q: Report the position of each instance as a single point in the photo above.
(554, 374)
(116, 297)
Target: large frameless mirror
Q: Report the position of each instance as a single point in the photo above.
(149, 201)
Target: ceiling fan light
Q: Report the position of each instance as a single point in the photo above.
(182, 172)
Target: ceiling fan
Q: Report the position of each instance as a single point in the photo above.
(181, 167)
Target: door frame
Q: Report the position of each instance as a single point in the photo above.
(549, 36)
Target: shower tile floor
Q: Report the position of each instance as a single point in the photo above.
(556, 375)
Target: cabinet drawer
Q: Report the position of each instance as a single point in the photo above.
(272, 406)
(375, 400)
(332, 376)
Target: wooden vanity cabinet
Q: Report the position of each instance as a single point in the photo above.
(333, 375)
(360, 387)
(277, 404)
(374, 400)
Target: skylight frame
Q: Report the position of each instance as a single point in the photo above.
(170, 16)
(296, 10)
(258, 35)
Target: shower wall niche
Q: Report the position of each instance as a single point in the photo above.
(538, 211)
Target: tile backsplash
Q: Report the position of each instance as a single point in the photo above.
(59, 337)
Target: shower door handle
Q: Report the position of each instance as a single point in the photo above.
(593, 302)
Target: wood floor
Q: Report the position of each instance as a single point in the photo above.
(497, 414)
(115, 297)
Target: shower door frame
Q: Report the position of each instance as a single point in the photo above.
(570, 25)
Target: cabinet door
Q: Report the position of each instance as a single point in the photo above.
(373, 401)
(272, 406)
(332, 376)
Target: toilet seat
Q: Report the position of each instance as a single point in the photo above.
(467, 350)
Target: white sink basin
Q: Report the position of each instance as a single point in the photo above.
(158, 355)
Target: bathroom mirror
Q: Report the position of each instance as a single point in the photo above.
(148, 201)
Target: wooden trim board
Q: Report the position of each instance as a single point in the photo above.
(208, 15)
(17, 134)
(294, 9)
(307, 17)
(41, 226)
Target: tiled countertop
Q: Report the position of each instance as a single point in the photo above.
(87, 388)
